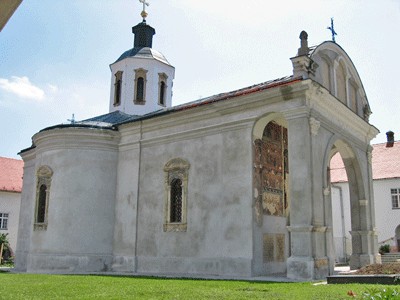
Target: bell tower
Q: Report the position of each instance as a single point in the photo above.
(141, 78)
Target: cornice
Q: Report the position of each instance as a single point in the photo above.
(334, 113)
(76, 138)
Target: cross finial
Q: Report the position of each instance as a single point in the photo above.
(332, 29)
(72, 120)
(144, 13)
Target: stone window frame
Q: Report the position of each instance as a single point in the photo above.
(118, 88)
(44, 176)
(162, 89)
(176, 168)
(4, 221)
(395, 197)
(140, 73)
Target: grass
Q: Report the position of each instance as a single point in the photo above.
(35, 286)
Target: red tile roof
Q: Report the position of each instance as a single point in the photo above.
(11, 172)
(385, 163)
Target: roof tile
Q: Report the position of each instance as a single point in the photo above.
(11, 172)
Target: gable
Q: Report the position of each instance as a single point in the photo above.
(337, 73)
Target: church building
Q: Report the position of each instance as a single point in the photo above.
(232, 185)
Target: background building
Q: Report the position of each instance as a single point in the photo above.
(10, 197)
(386, 184)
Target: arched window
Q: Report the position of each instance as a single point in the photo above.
(117, 88)
(176, 190)
(162, 88)
(162, 93)
(41, 211)
(176, 201)
(44, 175)
(140, 86)
(140, 89)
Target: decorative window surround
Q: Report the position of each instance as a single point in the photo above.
(44, 175)
(140, 86)
(118, 88)
(176, 190)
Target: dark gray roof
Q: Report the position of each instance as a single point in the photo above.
(109, 119)
(144, 52)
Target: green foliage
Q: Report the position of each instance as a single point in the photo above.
(4, 240)
(7, 259)
(384, 249)
(385, 294)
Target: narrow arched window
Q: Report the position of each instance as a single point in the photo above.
(140, 89)
(41, 211)
(44, 175)
(162, 93)
(176, 191)
(117, 88)
(176, 201)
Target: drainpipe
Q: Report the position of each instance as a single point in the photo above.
(344, 243)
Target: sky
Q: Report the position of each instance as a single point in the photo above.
(55, 55)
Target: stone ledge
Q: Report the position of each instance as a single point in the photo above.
(369, 279)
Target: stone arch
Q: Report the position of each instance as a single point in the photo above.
(271, 197)
(361, 214)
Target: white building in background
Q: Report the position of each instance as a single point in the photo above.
(386, 184)
(11, 171)
(230, 185)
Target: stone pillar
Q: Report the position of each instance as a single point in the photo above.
(300, 265)
(364, 238)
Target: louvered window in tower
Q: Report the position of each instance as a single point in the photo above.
(140, 89)
(162, 93)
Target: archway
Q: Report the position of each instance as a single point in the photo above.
(357, 233)
(271, 194)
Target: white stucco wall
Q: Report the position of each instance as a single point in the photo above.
(387, 218)
(10, 204)
(153, 68)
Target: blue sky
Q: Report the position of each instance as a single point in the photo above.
(55, 55)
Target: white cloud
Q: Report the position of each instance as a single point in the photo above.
(22, 87)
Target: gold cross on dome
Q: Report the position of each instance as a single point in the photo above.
(144, 13)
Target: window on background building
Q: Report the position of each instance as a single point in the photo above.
(395, 198)
(140, 86)
(3, 221)
(176, 189)
(44, 175)
(117, 88)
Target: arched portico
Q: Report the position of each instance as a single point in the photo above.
(358, 170)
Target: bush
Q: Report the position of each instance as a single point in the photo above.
(384, 249)
(386, 293)
(7, 255)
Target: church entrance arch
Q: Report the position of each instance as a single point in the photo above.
(271, 193)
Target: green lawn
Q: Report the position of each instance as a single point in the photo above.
(33, 286)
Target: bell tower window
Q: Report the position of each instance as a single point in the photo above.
(117, 88)
(140, 86)
(162, 87)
